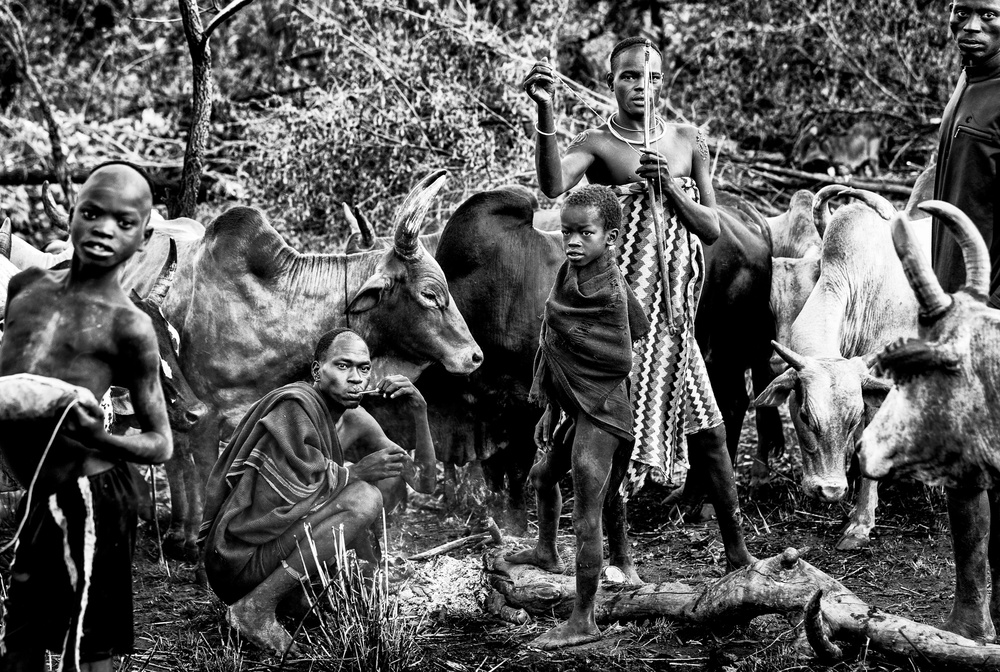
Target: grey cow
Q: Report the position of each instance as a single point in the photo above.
(941, 423)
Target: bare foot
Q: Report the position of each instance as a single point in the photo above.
(259, 627)
(567, 634)
(543, 560)
(623, 575)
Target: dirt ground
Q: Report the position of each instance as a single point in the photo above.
(907, 570)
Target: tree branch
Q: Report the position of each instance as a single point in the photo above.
(227, 13)
(12, 39)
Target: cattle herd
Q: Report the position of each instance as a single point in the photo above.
(807, 302)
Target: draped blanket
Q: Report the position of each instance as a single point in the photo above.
(585, 348)
(671, 392)
(283, 463)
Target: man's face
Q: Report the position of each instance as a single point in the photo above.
(344, 371)
(584, 236)
(110, 219)
(976, 27)
(626, 80)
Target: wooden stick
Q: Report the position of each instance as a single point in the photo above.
(649, 120)
(493, 533)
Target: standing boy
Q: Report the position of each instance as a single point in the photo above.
(582, 368)
(78, 325)
(670, 387)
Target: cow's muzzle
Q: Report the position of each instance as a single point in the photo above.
(825, 489)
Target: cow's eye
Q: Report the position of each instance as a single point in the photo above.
(430, 296)
(804, 415)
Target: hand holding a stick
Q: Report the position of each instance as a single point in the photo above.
(654, 168)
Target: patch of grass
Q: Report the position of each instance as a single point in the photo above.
(360, 625)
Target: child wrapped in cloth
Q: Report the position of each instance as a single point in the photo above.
(585, 350)
(582, 369)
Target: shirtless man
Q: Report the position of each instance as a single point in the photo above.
(284, 469)
(668, 365)
(79, 326)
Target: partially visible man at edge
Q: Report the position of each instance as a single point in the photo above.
(284, 469)
(967, 176)
(670, 386)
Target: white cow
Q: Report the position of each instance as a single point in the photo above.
(861, 302)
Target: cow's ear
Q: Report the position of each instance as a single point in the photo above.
(370, 293)
(777, 392)
(874, 390)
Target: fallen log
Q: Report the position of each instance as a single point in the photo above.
(900, 188)
(783, 584)
(165, 177)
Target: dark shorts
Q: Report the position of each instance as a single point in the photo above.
(41, 604)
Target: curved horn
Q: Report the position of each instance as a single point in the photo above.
(876, 202)
(411, 214)
(360, 225)
(5, 235)
(55, 213)
(871, 358)
(974, 252)
(796, 360)
(933, 300)
(821, 214)
(166, 277)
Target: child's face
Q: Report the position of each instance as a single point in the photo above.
(584, 235)
(110, 219)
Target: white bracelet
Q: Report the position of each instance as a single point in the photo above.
(541, 132)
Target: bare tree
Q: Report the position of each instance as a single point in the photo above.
(197, 34)
(12, 40)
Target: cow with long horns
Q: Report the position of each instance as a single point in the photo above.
(248, 308)
(941, 422)
(861, 302)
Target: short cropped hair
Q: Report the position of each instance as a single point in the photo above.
(600, 197)
(121, 162)
(327, 339)
(628, 43)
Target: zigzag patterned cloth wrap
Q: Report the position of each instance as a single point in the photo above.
(671, 390)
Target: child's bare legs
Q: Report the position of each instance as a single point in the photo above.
(616, 518)
(593, 454)
(545, 475)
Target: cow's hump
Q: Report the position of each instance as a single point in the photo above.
(241, 239)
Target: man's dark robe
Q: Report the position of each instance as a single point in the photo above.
(968, 173)
(585, 349)
(283, 463)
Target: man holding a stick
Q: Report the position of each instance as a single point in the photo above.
(661, 174)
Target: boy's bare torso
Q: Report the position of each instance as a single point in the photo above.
(76, 333)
